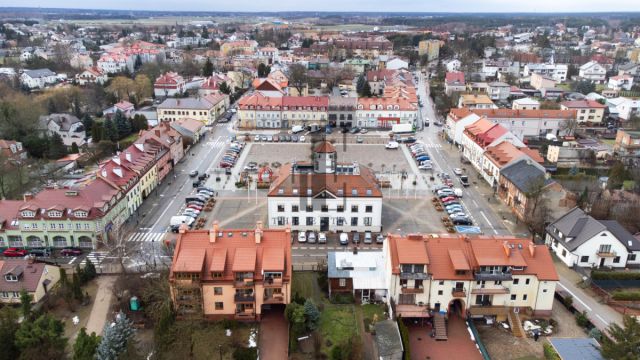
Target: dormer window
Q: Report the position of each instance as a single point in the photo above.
(80, 214)
(11, 277)
(28, 213)
(55, 213)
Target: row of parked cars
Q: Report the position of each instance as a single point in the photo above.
(232, 154)
(450, 199)
(422, 158)
(40, 252)
(279, 138)
(195, 202)
(311, 238)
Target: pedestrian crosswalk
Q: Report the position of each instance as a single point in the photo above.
(219, 142)
(95, 257)
(431, 146)
(146, 237)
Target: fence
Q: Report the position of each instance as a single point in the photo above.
(616, 284)
(309, 267)
(476, 336)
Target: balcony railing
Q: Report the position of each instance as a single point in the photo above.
(272, 283)
(412, 290)
(607, 253)
(244, 297)
(244, 283)
(490, 290)
(458, 292)
(492, 276)
(245, 315)
(414, 276)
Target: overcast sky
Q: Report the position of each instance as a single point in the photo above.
(344, 5)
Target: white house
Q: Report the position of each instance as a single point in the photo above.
(620, 82)
(453, 65)
(556, 71)
(457, 120)
(169, 84)
(114, 63)
(38, 79)
(125, 107)
(397, 64)
(359, 273)
(525, 104)
(324, 195)
(593, 71)
(385, 112)
(498, 91)
(69, 127)
(580, 240)
(91, 76)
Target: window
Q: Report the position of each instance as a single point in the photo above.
(310, 208)
(513, 297)
(342, 282)
(340, 208)
(354, 208)
(516, 281)
(309, 220)
(368, 208)
(281, 220)
(280, 208)
(439, 292)
(498, 282)
(52, 226)
(616, 259)
(15, 294)
(564, 253)
(87, 226)
(526, 282)
(367, 221)
(441, 282)
(4, 294)
(217, 290)
(55, 213)
(324, 208)
(354, 221)
(631, 257)
(219, 305)
(524, 297)
(11, 277)
(604, 249)
(295, 220)
(340, 221)
(584, 259)
(216, 275)
(295, 208)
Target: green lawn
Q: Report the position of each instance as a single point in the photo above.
(305, 283)
(337, 325)
(369, 310)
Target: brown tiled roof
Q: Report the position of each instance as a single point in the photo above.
(412, 251)
(457, 114)
(324, 147)
(189, 260)
(488, 254)
(458, 260)
(582, 104)
(273, 259)
(8, 211)
(244, 260)
(218, 260)
(29, 275)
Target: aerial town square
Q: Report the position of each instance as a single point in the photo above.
(356, 180)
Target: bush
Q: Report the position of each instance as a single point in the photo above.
(343, 298)
(582, 320)
(549, 352)
(404, 334)
(615, 275)
(229, 323)
(323, 281)
(626, 295)
(243, 353)
(568, 301)
(596, 334)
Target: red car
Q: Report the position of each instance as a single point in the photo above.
(194, 206)
(15, 252)
(70, 252)
(448, 198)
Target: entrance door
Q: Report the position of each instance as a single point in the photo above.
(324, 224)
(601, 262)
(365, 295)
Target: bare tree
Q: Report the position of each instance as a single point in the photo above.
(298, 77)
(536, 208)
(569, 126)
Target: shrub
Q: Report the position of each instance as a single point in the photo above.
(568, 301)
(343, 298)
(582, 320)
(596, 334)
(404, 334)
(549, 352)
(615, 275)
(626, 295)
(243, 353)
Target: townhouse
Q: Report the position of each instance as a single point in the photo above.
(586, 110)
(69, 127)
(259, 111)
(580, 240)
(385, 112)
(519, 179)
(342, 111)
(558, 72)
(169, 84)
(205, 109)
(454, 82)
(230, 273)
(593, 72)
(458, 275)
(531, 123)
(456, 121)
(481, 134)
(35, 278)
(497, 157)
(38, 79)
(325, 195)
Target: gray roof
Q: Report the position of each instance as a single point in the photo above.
(627, 66)
(38, 73)
(577, 225)
(577, 348)
(63, 120)
(523, 175)
(388, 338)
(626, 238)
(186, 103)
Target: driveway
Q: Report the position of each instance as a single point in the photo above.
(458, 346)
(274, 334)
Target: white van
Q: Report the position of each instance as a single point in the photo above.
(297, 128)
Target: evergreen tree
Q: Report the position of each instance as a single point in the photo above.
(87, 121)
(138, 64)
(110, 131)
(115, 338)
(74, 148)
(224, 88)
(624, 342)
(36, 145)
(89, 272)
(311, 314)
(56, 149)
(76, 288)
(360, 84)
(41, 339)
(366, 91)
(96, 132)
(207, 70)
(85, 346)
(25, 303)
(123, 125)
(139, 122)
(8, 327)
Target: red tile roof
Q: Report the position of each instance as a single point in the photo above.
(324, 147)
(455, 78)
(525, 114)
(29, 275)
(583, 104)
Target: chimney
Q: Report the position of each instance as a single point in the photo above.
(183, 228)
(157, 132)
(507, 249)
(213, 233)
(532, 249)
(28, 196)
(258, 232)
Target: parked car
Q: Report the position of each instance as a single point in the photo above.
(256, 138)
(363, 131)
(368, 239)
(203, 176)
(193, 173)
(448, 198)
(344, 238)
(197, 183)
(379, 239)
(457, 171)
(294, 138)
(14, 252)
(311, 237)
(354, 130)
(392, 145)
(356, 238)
(195, 207)
(359, 140)
(40, 252)
(301, 138)
(322, 238)
(425, 167)
(71, 251)
(466, 222)
(263, 137)
(302, 237)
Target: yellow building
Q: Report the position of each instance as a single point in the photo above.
(36, 278)
(431, 48)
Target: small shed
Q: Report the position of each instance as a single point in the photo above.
(388, 340)
(577, 348)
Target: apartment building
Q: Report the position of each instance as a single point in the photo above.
(480, 276)
(38, 78)
(481, 134)
(238, 47)
(475, 101)
(593, 71)
(586, 110)
(169, 84)
(259, 111)
(205, 109)
(454, 82)
(230, 273)
(558, 72)
(530, 123)
(325, 195)
(342, 111)
(456, 121)
(498, 157)
(517, 180)
(431, 48)
(498, 91)
(385, 112)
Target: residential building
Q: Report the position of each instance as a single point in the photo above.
(230, 273)
(271, 54)
(593, 72)
(480, 276)
(342, 111)
(325, 195)
(627, 143)
(35, 278)
(557, 72)
(492, 68)
(586, 110)
(190, 130)
(430, 48)
(481, 134)
(632, 69)
(539, 81)
(81, 61)
(580, 240)
(551, 93)
(476, 101)
(499, 91)
(358, 66)
(238, 47)
(38, 79)
(259, 111)
(169, 84)
(205, 109)
(530, 123)
(525, 104)
(69, 127)
(268, 87)
(126, 108)
(385, 112)
(519, 179)
(620, 82)
(114, 63)
(499, 156)
(453, 65)
(361, 274)
(457, 120)
(12, 150)
(397, 64)
(454, 82)
(166, 135)
(91, 75)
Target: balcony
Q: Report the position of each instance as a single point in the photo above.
(248, 314)
(494, 290)
(274, 299)
(412, 310)
(239, 298)
(271, 282)
(492, 276)
(244, 283)
(414, 276)
(483, 310)
(412, 290)
(607, 253)
(458, 292)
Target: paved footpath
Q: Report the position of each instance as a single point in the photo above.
(101, 305)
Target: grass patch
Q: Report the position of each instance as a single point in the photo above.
(305, 283)
(369, 311)
(337, 325)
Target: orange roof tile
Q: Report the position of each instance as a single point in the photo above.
(411, 250)
(218, 260)
(189, 260)
(244, 260)
(325, 147)
(273, 259)
(489, 254)
(458, 260)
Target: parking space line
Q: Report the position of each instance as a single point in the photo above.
(488, 222)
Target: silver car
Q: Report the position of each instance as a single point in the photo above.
(311, 237)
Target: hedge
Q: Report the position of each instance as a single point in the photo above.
(626, 295)
(404, 334)
(549, 352)
(615, 275)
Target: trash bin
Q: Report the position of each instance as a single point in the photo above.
(134, 303)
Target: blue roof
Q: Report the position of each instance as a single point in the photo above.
(462, 229)
(577, 348)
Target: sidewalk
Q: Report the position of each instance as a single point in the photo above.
(101, 305)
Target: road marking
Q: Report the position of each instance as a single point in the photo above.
(72, 260)
(475, 203)
(575, 297)
(603, 320)
(488, 222)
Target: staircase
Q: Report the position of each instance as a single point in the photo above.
(515, 323)
(441, 327)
